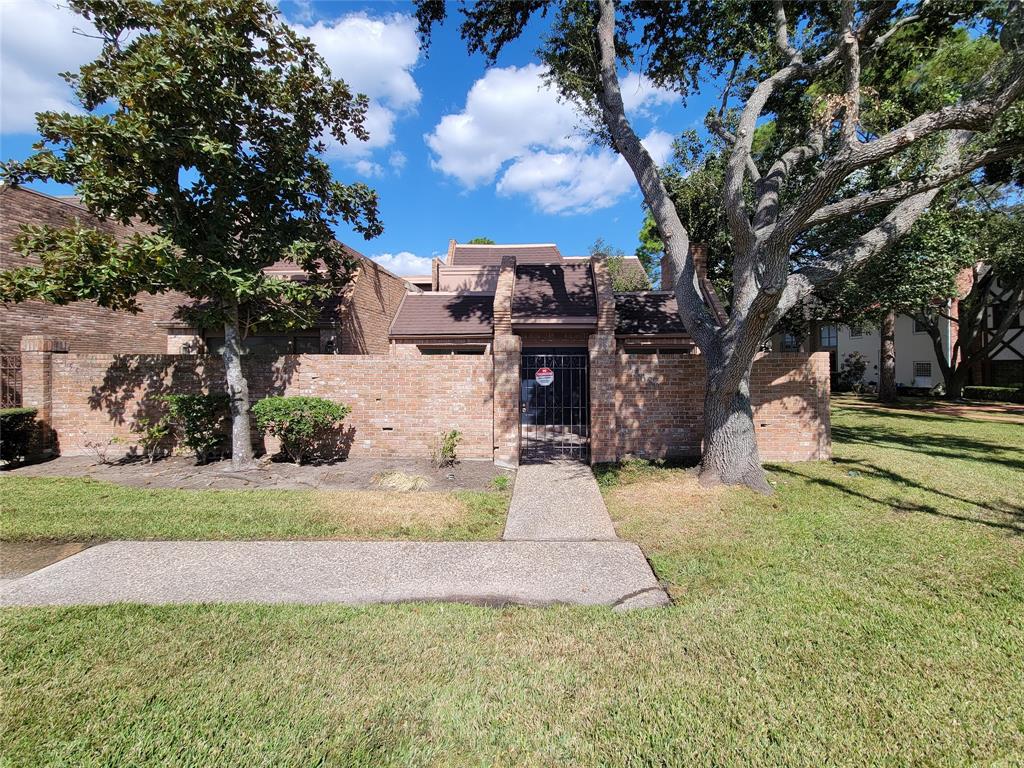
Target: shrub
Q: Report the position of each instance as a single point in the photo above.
(444, 452)
(999, 394)
(201, 421)
(851, 375)
(17, 430)
(152, 433)
(301, 423)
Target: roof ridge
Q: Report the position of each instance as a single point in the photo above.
(504, 245)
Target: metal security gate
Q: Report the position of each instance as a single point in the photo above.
(554, 404)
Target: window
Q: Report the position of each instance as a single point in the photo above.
(856, 332)
(790, 343)
(999, 312)
(270, 344)
(920, 325)
(829, 337)
(922, 370)
(451, 350)
(657, 350)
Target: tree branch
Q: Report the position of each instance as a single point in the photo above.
(699, 321)
(888, 195)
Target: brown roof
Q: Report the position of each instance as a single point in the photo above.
(444, 314)
(647, 312)
(553, 291)
(490, 255)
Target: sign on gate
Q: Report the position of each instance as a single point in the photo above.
(544, 376)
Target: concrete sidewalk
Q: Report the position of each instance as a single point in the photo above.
(557, 501)
(351, 573)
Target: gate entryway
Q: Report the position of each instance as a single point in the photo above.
(554, 404)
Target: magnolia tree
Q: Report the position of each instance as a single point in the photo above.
(806, 67)
(205, 125)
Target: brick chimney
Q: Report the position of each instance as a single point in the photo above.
(699, 254)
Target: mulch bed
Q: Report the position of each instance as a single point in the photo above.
(182, 472)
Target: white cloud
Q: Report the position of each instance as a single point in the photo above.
(404, 263)
(639, 94)
(513, 130)
(368, 168)
(37, 42)
(507, 111)
(575, 182)
(374, 56)
(397, 160)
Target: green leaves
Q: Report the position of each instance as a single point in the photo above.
(204, 123)
(300, 422)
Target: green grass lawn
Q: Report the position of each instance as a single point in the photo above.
(80, 509)
(871, 612)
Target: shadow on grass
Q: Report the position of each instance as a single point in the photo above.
(929, 444)
(1015, 513)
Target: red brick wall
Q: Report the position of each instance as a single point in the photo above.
(399, 406)
(659, 406)
(371, 306)
(86, 326)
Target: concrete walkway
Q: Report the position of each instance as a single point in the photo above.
(557, 501)
(559, 547)
(351, 573)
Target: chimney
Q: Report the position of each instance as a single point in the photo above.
(451, 252)
(699, 254)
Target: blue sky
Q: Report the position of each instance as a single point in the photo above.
(457, 150)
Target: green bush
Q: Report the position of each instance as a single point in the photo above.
(443, 454)
(999, 394)
(17, 429)
(201, 422)
(302, 424)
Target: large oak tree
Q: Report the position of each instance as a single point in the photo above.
(802, 65)
(205, 123)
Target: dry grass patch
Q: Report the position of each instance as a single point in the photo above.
(670, 511)
(79, 509)
(389, 510)
(396, 480)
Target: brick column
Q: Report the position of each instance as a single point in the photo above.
(604, 364)
(37, 383)
(507, 350)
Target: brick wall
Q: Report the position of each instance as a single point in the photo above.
(371, 306)
(84, 325)
(399, 406)
(659, 405)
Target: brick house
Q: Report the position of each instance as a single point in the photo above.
(85, 326)
(581, 370)
(531, 355)
(356, 322)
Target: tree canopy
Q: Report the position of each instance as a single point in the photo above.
(205, 125)
(838, 149)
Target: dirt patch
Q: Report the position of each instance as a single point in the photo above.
(19, 559)
(351, 475)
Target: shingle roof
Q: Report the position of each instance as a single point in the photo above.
(553, 291)
(647, 312)
(444, 314)
(490, 255)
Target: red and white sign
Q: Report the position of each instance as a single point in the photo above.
(544, 376)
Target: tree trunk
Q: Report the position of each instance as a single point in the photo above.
(238, 392)
(887, 359)
(730, 453)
